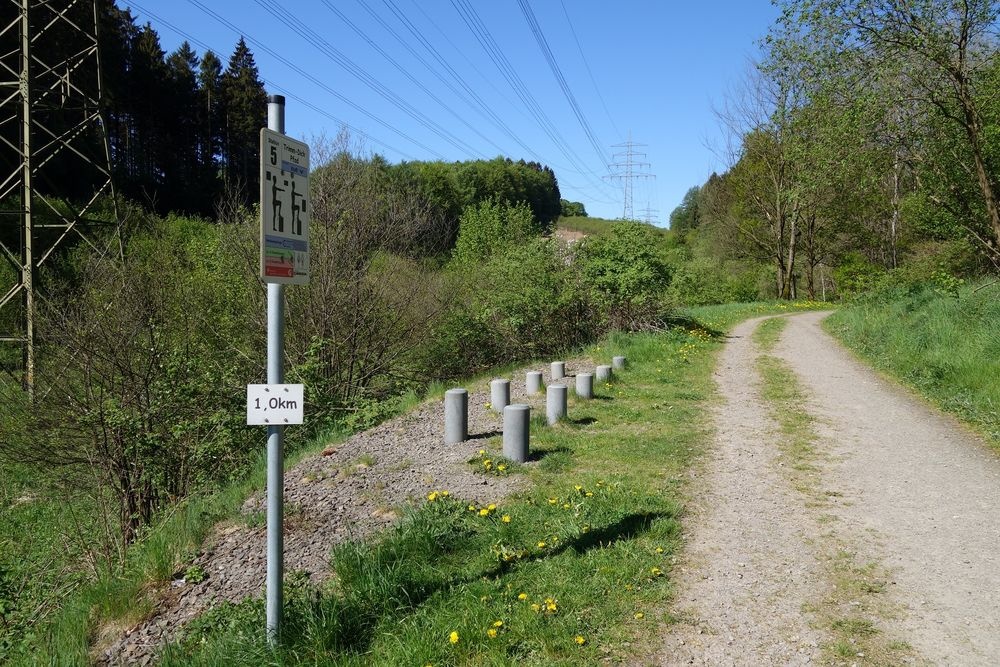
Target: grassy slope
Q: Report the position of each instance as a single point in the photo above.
(589, 546)
(946, 347)
(594, 226)
(73, 606)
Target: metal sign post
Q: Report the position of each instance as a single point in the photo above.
(284, 255)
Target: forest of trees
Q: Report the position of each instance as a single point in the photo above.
(864, 146)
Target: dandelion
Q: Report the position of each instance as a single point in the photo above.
(580, 640)
(541, 545)
(491, 633)
(552, 501)
(497, 624)
(432, 496)
(482, 452)
(501, 467)
(535, 607)
(522, 596)
(445, 494)
(489, 405)
(578, 487)
(589, 494)
(659, 550)
(484, 512)
(639, 615)
(505, 518)
(566, 506)
(491, 507)
(472, 508)
(453, 637)
(656, 571)
(550, 605)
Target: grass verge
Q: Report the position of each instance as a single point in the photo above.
(946, 345)
(853, 609)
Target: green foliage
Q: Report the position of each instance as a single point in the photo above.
(570, 209)
(490, 228)
(627, 272)
(856, 274)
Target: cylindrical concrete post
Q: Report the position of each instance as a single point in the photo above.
(516, 425)
(618, 362)
(532, 382)
(558, 370)
(456, 416)
(499, 394)
(585, 385)
(603, 374)
(555, 403)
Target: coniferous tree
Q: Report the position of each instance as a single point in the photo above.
(245, 112)
(181, 164)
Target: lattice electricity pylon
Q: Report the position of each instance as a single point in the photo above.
(53, 147)
(625, 160)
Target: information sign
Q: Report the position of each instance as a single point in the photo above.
(274, 404)
(284, 209)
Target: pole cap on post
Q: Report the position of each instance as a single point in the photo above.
(276, 99)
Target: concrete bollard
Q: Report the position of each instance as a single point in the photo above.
(516, 426)
(499, 394)
(558, 370)
(602, 374)
(456, 416)
(555, 403)
(532, 382)
(618, 363)
(585, 385)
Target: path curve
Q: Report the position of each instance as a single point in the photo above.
(916, 492)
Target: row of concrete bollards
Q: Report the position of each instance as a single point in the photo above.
(517, 417)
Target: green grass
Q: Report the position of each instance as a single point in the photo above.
(946, 348)
(658, 406)
(596, 226)
(768, 332)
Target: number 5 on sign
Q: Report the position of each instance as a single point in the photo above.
(274, 404)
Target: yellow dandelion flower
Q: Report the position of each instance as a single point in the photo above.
(541, 545)
(580, 640)
(552, 501)
(472, 508)
(489, 405)
(491, 633)
(484, 512)
(656, 571)
(453, 637)
(497, 624)
(482, 452)
(578, 487)
(522, 596)
(566, 506)
(589, 494)
(659, 550)
(432, 496)
(639, 615)
(491, 506)
(535, 607)
(445, 494)
(501, 467)
(505, 518)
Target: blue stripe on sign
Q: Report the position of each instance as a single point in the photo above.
(294, 168)
(290, 244)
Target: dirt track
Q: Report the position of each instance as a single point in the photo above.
(910, 490)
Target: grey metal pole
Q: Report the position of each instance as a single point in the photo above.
(499, 394)
(516, 424)
(532, 382)
(558, 370)
(618, 363)
(456, 416)
(585, 385)
(275, 434)
(555, 403)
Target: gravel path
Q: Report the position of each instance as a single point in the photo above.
(914, 491)
(748, 570)
(924, 487)
(348, 492)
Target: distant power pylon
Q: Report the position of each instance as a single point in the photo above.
(650, 215)
(52, 139)
(626, 160)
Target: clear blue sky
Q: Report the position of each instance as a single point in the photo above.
(658, 68)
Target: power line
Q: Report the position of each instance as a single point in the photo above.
(274, 86)
(590, 73)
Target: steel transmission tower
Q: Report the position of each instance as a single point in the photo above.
(650, 215)
(630, 169)
(52, 140)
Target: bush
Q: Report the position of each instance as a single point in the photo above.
(489, 228)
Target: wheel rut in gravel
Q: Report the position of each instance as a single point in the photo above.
(910, 490)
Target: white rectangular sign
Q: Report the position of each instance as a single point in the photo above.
(274, 404)
(284, 209)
